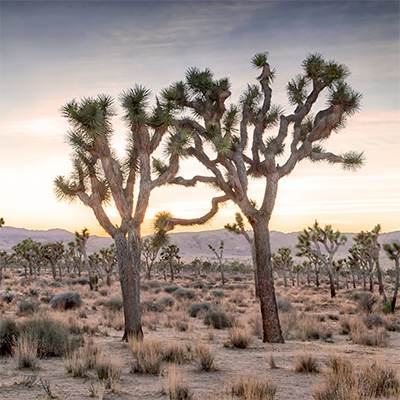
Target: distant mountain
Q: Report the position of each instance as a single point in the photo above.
(191, 244)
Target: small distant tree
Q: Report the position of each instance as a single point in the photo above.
(2, 222)
(219, 255)
(81, 239)
(283, 261)
(151, 248)
(28, 253)
(232, 153)
(170, 257)
(53, 253)
(108, 262)
(323, 243)
(392, 250)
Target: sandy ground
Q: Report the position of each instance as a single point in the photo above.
(230, 362)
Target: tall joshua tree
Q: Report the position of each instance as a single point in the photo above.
(99, 176)
(283, 261)
(224, 144)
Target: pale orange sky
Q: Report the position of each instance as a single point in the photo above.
(50, 55)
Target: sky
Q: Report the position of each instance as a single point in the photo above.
(54, 51)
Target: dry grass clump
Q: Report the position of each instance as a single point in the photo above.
(148, 356)
(114, 319)
(205, 357)
(255, 324)
(239, 338)
(77, 363)
(26, 351)
(306, 364)
(253, 388)
(344, 382)
(109, 373)
(360, 334)
(177, 389)
(310, 328)
(176, 352)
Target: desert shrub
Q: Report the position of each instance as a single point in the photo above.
(109, 373)
(160, 305)
(183, 293)
(75, 365)
(26, 307)
(218, 293)
(171, 288)
(176, 353)
(198, 285)
(288, 324)
(112, 304)
(306, 364)
(253, 388)
(8, 336)
(204, 357)
(255, 324)
(66, 301)
(148, 356)
(177, 388)
(34, 292)
(217, 319)
(52, 336)
(373, 320)
(345, 325)
(376, 381)
(7, 296)
(26, 351)
(366, 302)
(82, 280)
(239, 338)
(197, 309)
(376, 337)
(284, 305)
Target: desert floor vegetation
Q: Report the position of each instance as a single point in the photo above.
(194, 344)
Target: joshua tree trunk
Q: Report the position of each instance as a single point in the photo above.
(317, 278)
(221, 270)
(128, 258)
(269, 311)
(254, 259)
(284, 279)
(380, 280)
(396, 286)
(331, 282)
(171, 271)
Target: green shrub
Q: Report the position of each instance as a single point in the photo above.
(8, 336)
(217, 319)
(26, 307)
(53, 337)
(66, 301)
(171, 288)
(198, 308)
(187, 294)
(113, 304)
(218, 293)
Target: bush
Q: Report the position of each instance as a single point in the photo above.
(251, 387)
(8, 336)
(7, 296)
(109, 372)
(66, 301)
(366, 302)
(26, 307)
(196, 309)
(218, 293)
(177, 389)
(113, 304)
(183, 293)
(171, 288)
(159, 305)
(217, 319)
(306, 364)
(373, 321)
(52, 336)
(284, 305)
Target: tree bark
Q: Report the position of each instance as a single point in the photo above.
(331, 282)
(128, 258)
(396, 286)
(269, 311)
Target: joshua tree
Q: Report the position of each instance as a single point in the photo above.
(53, 253)
(219, 255)
(81, 239)
(392, 250)
(323, 243)
(150, 249)
(170, 257)
(368, 249)
(99, 176)
(108, 261)
(2, 222)
(238, 228)
(283, 261)
(28, 252)
(221, 138)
